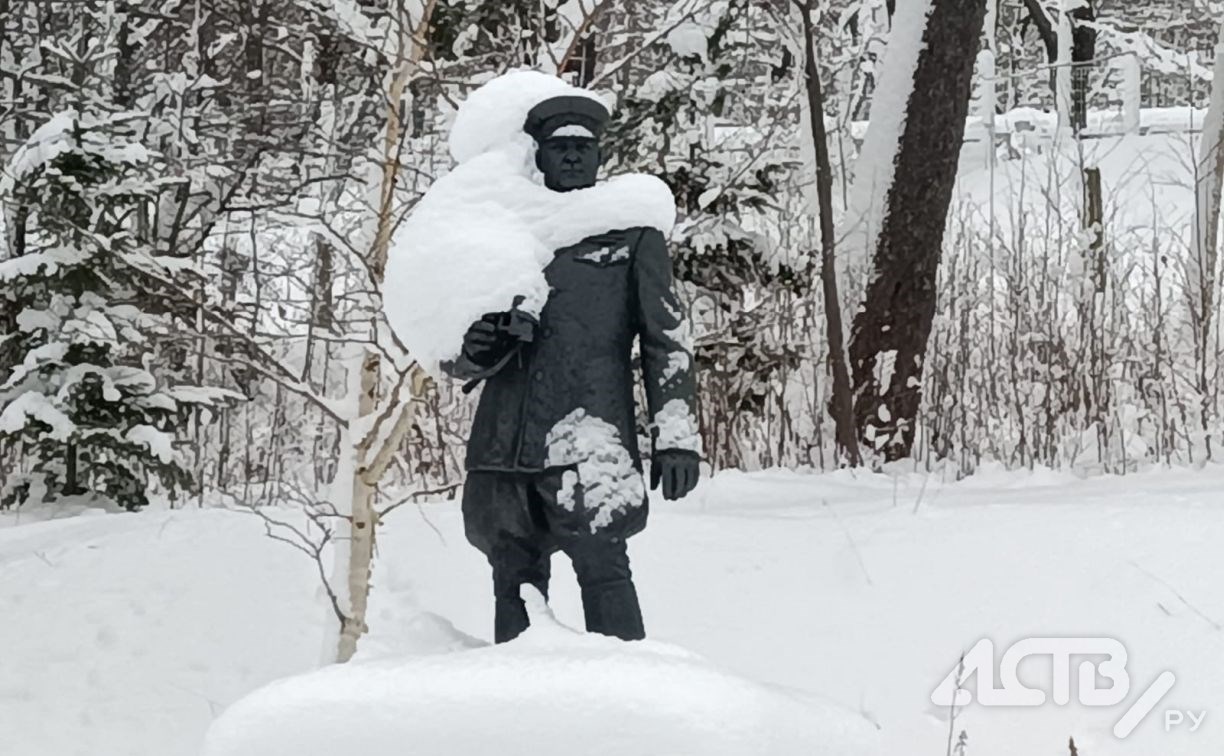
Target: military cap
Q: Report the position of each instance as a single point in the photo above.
(566, 110)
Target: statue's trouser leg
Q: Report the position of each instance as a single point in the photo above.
(500, 519)
(515, 561)
(609, 600)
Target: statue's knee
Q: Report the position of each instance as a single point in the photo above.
(600, 560)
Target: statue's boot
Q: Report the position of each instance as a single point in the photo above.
(609, 600)
(612, 608)
(515, 563)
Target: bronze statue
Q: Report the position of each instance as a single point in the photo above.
(553, 461)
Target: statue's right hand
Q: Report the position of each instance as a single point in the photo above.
(483, 343)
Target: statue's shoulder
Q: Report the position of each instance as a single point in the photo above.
(622, 246)
(614, 236)
(633, 237)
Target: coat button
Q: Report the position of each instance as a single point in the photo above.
(539, 375)
(547, 332)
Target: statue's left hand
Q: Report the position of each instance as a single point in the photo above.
(677, 469)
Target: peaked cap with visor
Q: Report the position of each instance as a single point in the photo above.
(554, 114)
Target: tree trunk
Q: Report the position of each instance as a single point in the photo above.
(1082, 49)
(1203, 271)
(889, 334)
(1045, 28)
(372, 452)
(841, 405)
(1097, 404)
(1083, 52)
(71, 485)
(363, 520)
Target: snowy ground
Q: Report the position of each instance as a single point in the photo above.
(126, 635)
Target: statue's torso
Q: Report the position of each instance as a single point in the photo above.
(580, 358)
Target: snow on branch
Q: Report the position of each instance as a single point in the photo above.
(1153, 54)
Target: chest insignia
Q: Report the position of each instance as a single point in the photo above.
(606, 254)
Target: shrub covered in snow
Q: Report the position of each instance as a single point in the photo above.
(76, 394)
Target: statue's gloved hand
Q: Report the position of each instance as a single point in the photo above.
(484, 343)
(678, 470)
(517, 325)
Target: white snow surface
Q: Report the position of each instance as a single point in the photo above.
(573, 130)
(604, 468)
(493, 114)
(47, 262)
(66, 131)
(159, 443)
(50, 140)
(483, 233)
(134, 632)
(33, 405)
(677, 427)
(553, 691)
(689, 40)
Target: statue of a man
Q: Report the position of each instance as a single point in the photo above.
(553, 459)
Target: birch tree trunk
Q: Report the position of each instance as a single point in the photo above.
(889, 333)
(1064, 99)
(372, 447)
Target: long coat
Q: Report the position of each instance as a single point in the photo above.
(606, 291)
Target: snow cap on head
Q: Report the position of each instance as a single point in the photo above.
(573, 130)
(494, 115)
(558, 113)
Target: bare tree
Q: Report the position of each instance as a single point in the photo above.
(1202, 270)
(889, 334)
(374, 449)
(841, 405)
(1079, 15)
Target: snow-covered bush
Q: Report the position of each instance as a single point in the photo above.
(78, 395)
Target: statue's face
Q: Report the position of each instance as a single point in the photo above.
(568, 162)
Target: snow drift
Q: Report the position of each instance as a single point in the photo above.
(137, 630)
(551, 692)
(482, 234)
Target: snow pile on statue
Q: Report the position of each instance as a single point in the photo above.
(480, 237)
(551, 692)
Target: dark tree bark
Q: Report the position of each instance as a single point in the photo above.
(1083, 36)
(125, 49)
(841, 405)
(900, 302)
(1045, 28)
(1083, 50)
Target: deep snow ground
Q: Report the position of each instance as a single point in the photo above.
(126, 634)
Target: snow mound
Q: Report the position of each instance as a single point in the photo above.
(482, 235)
(551, 692)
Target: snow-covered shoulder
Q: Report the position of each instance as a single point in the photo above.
(483, 234)
(551, 692)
